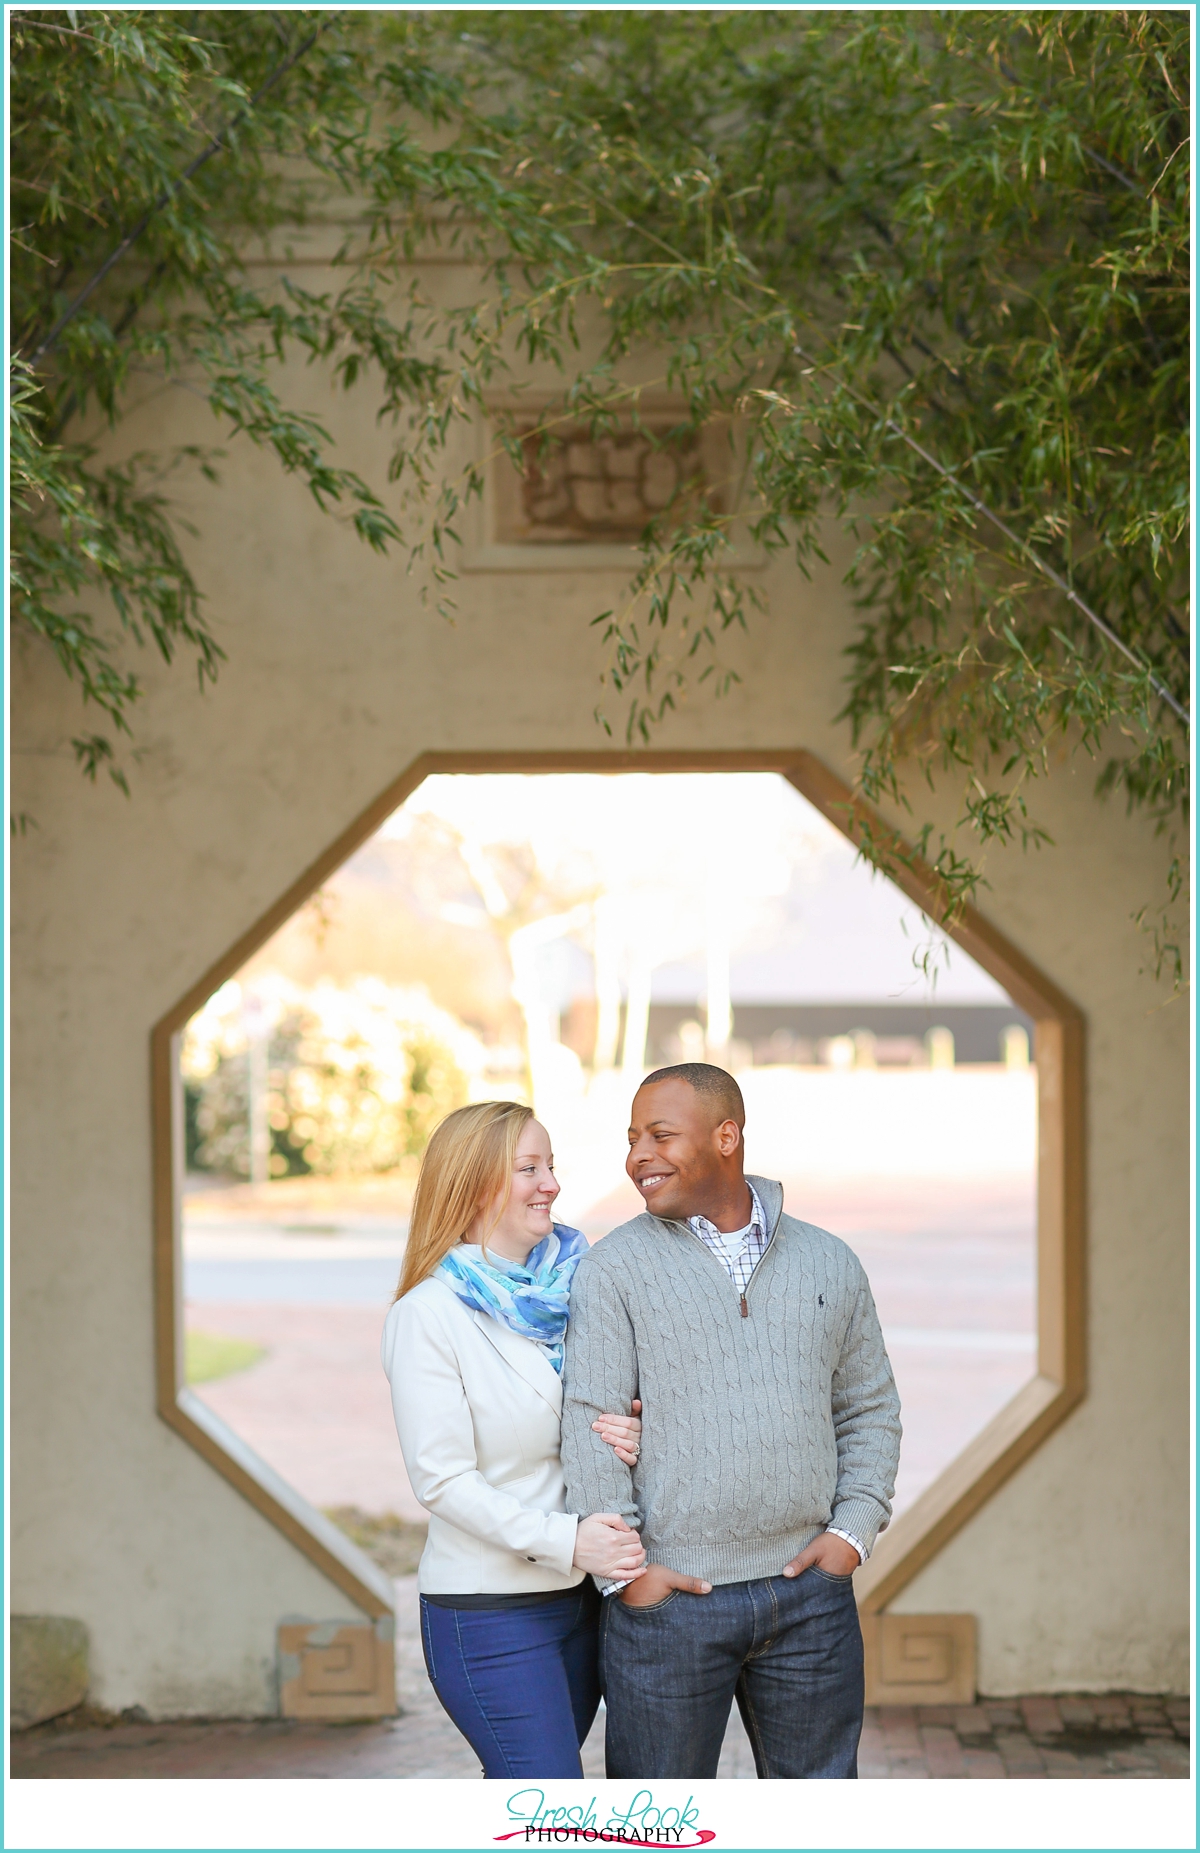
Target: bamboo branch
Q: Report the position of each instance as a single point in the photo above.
(214, 147)
(1035, 559)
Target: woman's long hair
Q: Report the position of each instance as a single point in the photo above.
(468, 1165)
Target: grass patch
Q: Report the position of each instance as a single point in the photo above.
(394, 1543)
(207, 1356)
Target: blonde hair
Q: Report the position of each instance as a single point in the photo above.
(468, 1165)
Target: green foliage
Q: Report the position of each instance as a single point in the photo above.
(217, 1109)
(357, 1091)
(345, 1109)
(930, 269)
(72, 527)
(207, 1356)
(171, 139)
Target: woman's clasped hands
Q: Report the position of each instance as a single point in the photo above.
(606, 1546)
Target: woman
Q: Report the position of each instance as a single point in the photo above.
(473, 1349)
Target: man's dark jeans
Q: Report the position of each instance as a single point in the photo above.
(788, 1648)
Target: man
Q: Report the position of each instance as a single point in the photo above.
(770, 1438)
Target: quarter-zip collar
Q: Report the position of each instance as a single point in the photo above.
(730, 1247)
(770, 1196)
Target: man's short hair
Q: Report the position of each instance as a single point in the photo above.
(710, 1083)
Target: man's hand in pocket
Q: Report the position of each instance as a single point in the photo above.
(656, 1583)
(833, 1555)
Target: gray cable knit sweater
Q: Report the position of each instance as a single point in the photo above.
(757, 1431)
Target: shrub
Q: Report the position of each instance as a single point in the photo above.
(356, 1078)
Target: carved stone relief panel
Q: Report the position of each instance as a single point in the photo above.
(337, 1669)
(579, 487)
(919, 1659)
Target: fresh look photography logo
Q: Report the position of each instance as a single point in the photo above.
(644, 1822)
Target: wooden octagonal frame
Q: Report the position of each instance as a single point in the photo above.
(985, 1463)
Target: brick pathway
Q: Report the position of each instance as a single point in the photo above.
(1117, 1735)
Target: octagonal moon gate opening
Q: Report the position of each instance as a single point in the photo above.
(924, 1524)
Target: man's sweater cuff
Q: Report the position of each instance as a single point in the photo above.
(865, 1518)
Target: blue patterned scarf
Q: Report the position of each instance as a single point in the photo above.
(530, 1299)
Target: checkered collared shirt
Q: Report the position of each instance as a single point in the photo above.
(740, 1252)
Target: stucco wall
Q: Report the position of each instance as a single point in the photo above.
(337, 679)
(1065, 1566)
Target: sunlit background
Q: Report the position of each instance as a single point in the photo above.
(551, 938)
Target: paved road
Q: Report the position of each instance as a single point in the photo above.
(331, 1280)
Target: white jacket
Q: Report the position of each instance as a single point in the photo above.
(478, 1412)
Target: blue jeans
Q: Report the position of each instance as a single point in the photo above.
(521, 1684)
(788, 1648)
